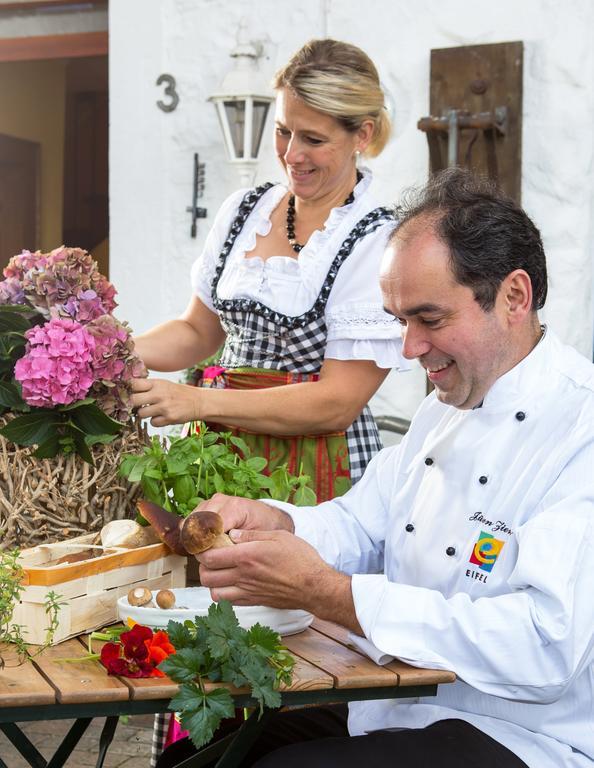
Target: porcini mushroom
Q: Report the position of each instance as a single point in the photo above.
(128, 534)
(165, 523)
(140, 596)
(202, 530)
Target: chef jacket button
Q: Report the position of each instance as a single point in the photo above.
(428, 461)
(483, 479)
(450, 551)
(409, 528)
(520, 415)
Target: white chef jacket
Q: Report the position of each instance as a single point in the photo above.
(471, 546)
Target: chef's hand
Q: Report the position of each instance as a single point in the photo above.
(165, 402)
(273, 568)
(238, 512)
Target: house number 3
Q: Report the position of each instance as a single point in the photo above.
(170, 92)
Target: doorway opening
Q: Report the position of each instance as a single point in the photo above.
(54, 146)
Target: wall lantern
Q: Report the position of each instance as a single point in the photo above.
(242, 106)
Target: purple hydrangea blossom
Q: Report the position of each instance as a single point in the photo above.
(11, 291)
(20, 264)
(65, 283)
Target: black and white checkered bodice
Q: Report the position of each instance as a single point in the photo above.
(259, 337)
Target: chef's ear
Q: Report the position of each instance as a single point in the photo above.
(516, 291)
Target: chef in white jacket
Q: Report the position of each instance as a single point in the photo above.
(470, 546)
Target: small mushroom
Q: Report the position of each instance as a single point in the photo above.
(165, 599)
(202, 530)
(140, 596)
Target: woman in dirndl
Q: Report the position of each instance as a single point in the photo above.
(288, 285)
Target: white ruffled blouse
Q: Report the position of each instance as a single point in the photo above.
(358, 327)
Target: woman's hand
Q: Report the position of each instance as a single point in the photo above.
(165, 402)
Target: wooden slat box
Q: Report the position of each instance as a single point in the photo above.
(88, 589)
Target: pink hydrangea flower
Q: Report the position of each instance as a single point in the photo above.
(115, 363)
(56, 368)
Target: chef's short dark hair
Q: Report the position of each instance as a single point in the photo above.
(487, 233)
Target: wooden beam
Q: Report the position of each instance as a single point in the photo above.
(8, 5)
(54, 46)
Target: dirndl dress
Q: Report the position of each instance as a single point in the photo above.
(266, 348)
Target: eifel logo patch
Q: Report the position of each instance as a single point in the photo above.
(486, 551)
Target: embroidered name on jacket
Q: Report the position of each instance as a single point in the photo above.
(485, 552)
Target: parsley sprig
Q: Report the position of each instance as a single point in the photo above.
(215, 648)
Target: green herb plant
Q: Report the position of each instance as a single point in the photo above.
(214, 648)
(194, 468)
(11, 587)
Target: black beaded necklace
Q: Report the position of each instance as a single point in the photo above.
(291, 216)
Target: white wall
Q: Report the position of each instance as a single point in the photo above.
(151, 151)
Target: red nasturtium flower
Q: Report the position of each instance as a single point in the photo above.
(142, 651)
(159, 648)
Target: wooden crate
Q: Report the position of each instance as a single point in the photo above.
(89, 589)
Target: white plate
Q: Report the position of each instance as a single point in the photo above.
(194, 601)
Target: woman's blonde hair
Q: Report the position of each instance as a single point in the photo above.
(340, 80)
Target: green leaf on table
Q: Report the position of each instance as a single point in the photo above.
(31, 428)
(222, 624)
(179, 635)
(184, 666)
(220, 702)
(189, 697)
(263, 640)
(261, 678)
(201, 725)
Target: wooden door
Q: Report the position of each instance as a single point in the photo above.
(86, 212)
(19, 196)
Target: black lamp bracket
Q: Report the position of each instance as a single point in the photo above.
(197, 192)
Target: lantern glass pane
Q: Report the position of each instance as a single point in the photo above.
(235, 111)
(259, 121)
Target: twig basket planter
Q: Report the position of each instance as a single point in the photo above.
(47, 500)
(88, 590)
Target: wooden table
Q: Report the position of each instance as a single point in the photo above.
(327, 670)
